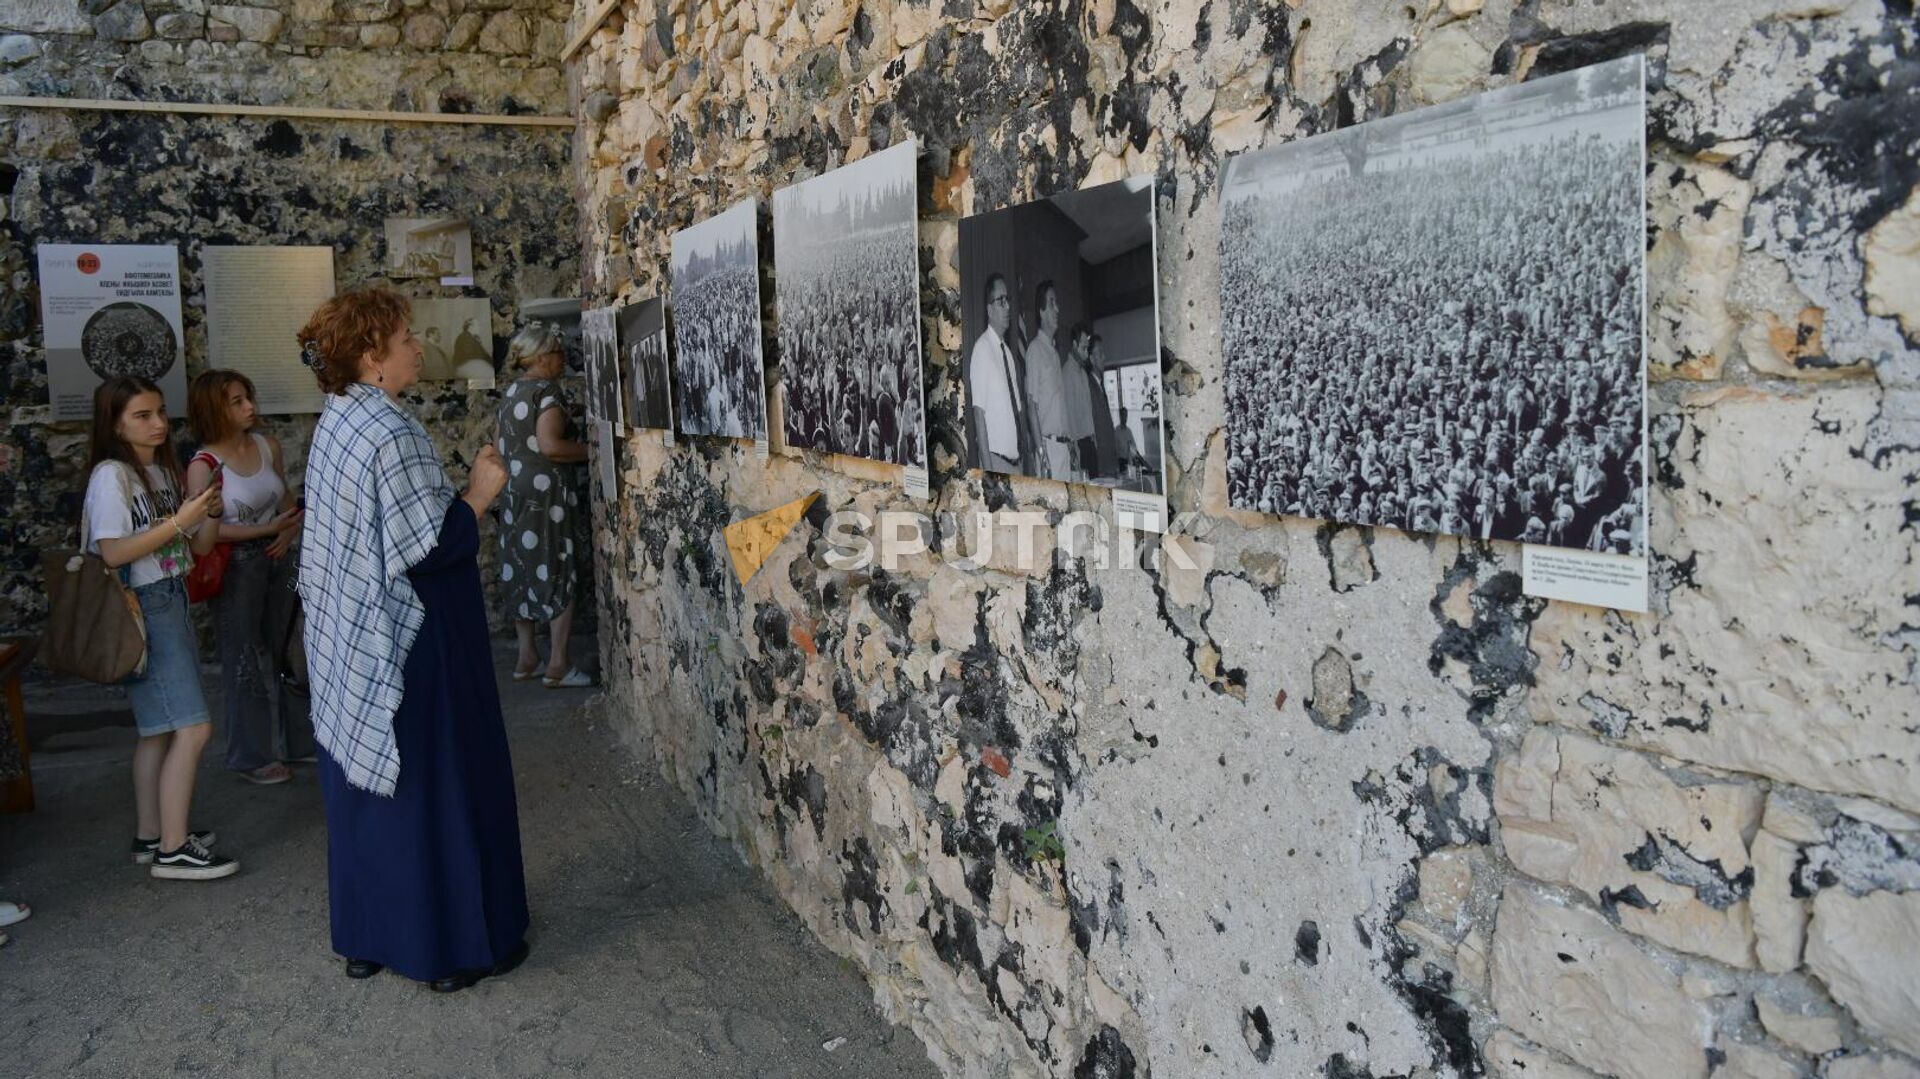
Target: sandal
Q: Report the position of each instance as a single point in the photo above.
(14, 912)
(527, 675)
(268, 774)
(573, 679)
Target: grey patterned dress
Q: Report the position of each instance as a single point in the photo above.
(538, 508)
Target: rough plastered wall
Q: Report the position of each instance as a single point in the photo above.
(70, 176)
(1323, 801)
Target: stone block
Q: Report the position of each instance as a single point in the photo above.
(1758, 666)
(1799, 1023)
(180, 25)
(254, 24)
(44, 17)
(1446, 882)
(367, 10)
(1863, 948)
(313, 11)
(1872, 1067)
(1509, 1057)
(505, 34)
(1450, 63)
(125, 21)
(466, 31)
(1669, 856)
(1779, 917)
(425, 30)
(1893, 266)
(17, 49)
(1697, 213)
(380, 36)
(1753, 1062)
(1565, 979)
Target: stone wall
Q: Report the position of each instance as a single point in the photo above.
(1314, 800)
(113, 177)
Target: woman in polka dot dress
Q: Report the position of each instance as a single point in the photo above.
(537, 508)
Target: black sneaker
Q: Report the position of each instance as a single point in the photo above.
(145, 849)
(192, 862)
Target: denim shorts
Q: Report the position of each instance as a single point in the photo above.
(169, 696)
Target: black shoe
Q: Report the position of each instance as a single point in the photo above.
(461, 979)
(363, 968)
(144, 849)
(192, 862)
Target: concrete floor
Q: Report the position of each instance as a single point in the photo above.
(656, 952)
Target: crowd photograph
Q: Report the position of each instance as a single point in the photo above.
(600, 351)
(1057, 296)
(1434, 321)
(643, 363)
(846, 260)
(716, 325)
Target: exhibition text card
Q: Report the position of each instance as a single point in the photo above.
(916, 481)
(1139, 510)
(108, 310)
(1600, 580)
(257, 300)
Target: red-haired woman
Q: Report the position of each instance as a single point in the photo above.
(423, 836)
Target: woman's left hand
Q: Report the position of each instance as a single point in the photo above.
(289, 526)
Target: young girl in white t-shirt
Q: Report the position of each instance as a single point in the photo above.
(135, 520)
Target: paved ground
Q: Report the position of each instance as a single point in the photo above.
(655, 951)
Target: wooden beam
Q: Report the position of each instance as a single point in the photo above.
(295, 111)
(594, 18)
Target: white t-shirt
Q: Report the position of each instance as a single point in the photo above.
(118, 506)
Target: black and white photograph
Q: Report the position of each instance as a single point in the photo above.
(600, 343)
(1435, 321)
(456, 338)
(846, 260)
(562, 315)
(429, 247)
(1062, 340)
(716, 325)
(643, 364)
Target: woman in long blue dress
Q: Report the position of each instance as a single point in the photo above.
(423, 834)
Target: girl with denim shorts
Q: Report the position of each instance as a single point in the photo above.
(135, 520)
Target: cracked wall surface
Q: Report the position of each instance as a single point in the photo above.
(190, 181)
(1272, 796)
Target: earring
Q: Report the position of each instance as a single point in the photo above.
(382, 375)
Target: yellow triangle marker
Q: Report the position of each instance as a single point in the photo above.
(752, 541)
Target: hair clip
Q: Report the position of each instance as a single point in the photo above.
(310, 354)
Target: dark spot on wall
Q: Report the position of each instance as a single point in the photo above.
(1106, 1057)
(861, 885)
(1561, 53)
(1306, 943)
(1258, 1032)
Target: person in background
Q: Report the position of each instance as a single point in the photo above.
(135, 520)
(12, 913)
(267, 725)
(423, 833)
(473, 351)
(538, 515)
(1046, 392)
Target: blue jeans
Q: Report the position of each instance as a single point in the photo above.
(169, 696)
(253, 617)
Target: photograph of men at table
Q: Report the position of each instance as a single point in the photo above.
(1058, 311)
